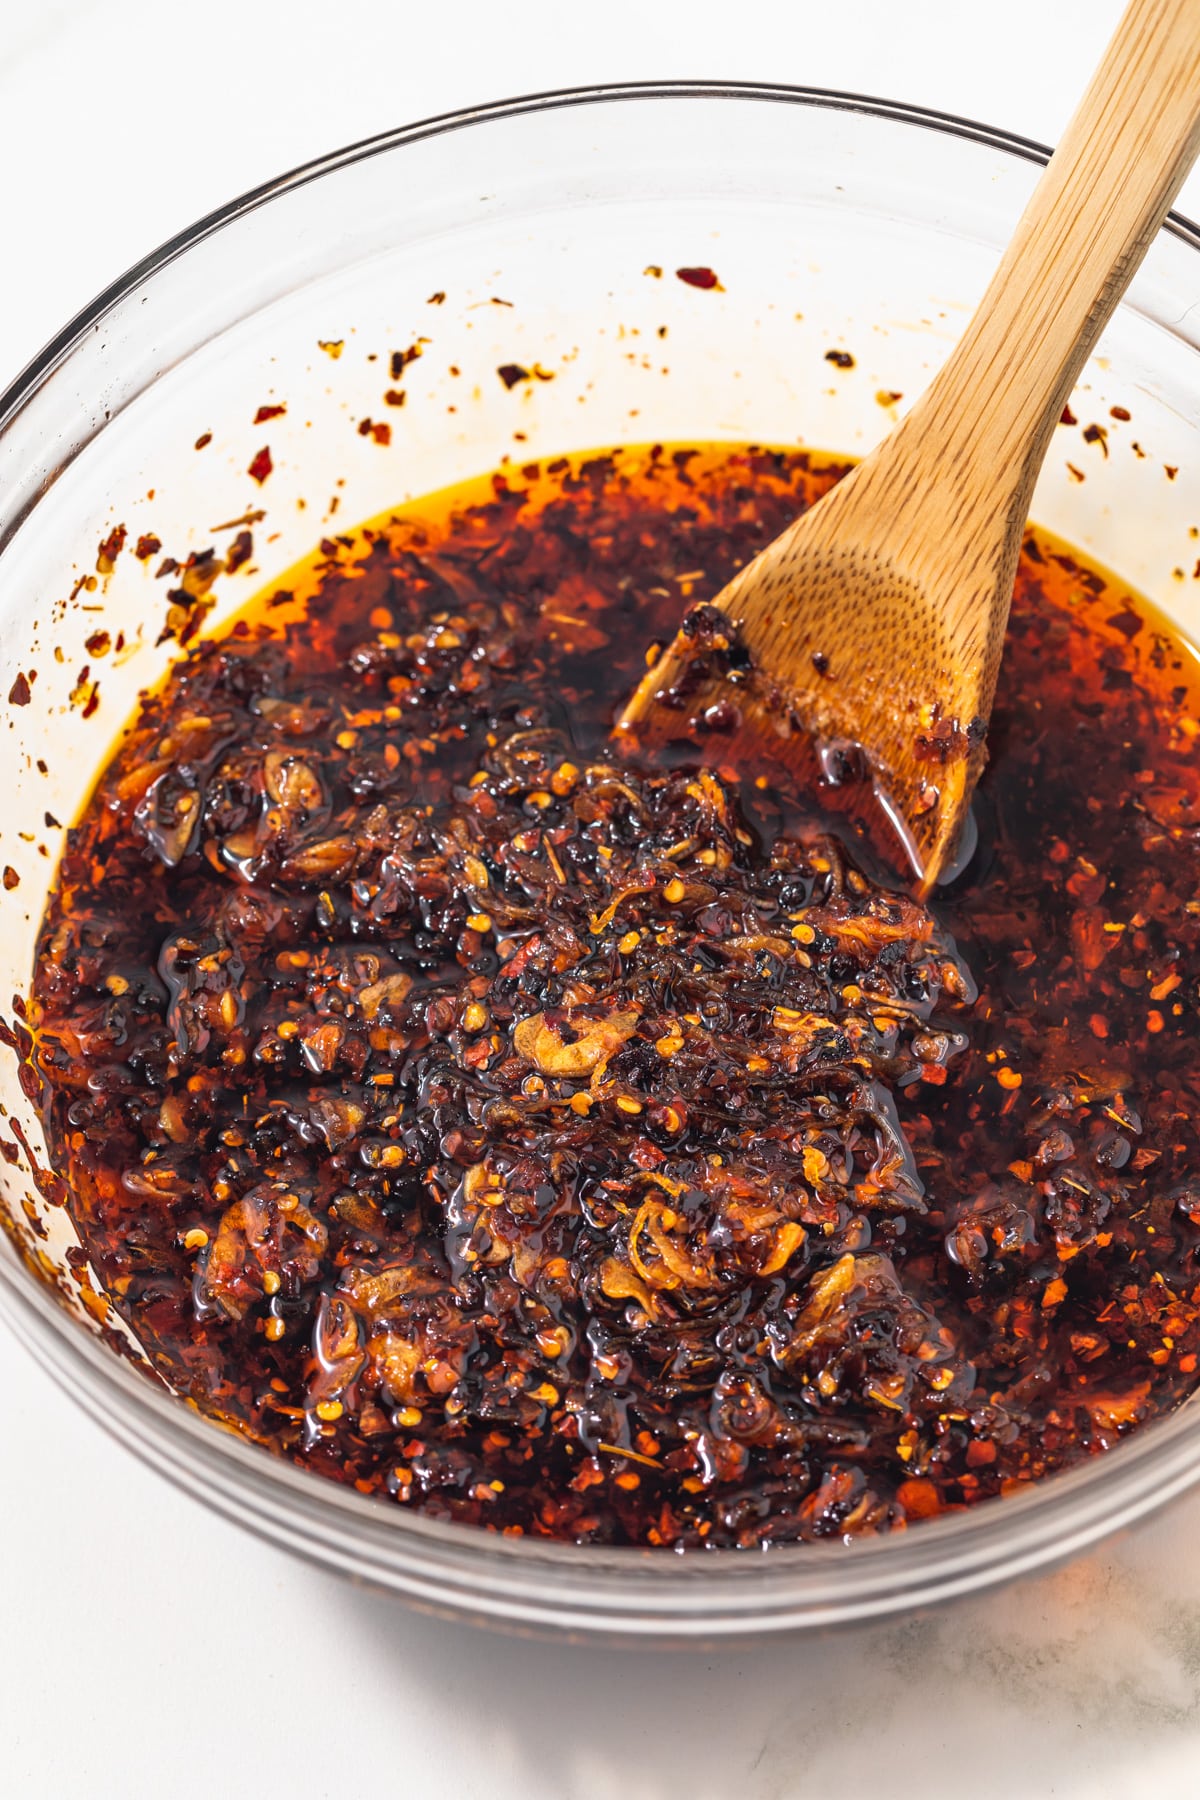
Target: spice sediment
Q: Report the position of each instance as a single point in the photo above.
(585, 1146)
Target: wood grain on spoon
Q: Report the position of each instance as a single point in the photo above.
(878, 618)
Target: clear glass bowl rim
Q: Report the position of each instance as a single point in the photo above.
(554, 1588)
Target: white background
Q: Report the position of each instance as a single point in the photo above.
(148, 1649)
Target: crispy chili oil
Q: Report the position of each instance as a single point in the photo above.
(585, 1147)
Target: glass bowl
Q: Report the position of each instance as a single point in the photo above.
(547, 233)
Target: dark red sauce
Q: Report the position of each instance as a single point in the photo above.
(578, 1146)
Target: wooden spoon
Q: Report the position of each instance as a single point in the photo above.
(878, 618)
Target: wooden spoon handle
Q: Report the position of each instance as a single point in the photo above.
(1104, 194)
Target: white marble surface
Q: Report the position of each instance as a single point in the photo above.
(149, 1649)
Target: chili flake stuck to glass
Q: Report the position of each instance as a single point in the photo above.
(576, 1145)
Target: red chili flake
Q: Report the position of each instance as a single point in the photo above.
(109, 550)
(147, 546)
(203, 440)
(381, 433)
(1067, 417)
(262, 465)
(394, 397)
(1128, 622)
(11, 878)
(841, 359)
(511, 373)
(268, 412)
(1096, 434)
(99, 644)
(1120, 412)
(18, 693)
(700, 278)
(240, 552)
(919, 1499)
(400, 359)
